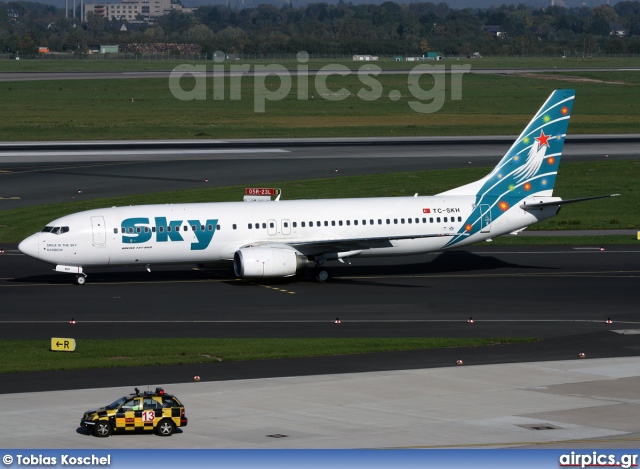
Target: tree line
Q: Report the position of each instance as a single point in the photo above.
(344, 28)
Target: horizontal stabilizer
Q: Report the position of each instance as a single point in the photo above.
(534, 206)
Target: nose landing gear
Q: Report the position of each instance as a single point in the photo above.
(80, 279)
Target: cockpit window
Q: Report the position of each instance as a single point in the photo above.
(55, 229)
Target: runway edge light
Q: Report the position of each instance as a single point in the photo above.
(459, 362)
(582, 355)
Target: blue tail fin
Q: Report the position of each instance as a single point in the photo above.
(528, 169)
(531, 164)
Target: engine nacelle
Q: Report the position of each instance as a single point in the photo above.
(265, 261)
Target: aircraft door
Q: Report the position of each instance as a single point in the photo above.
(485, 218)
(272, 227)
(99, 231)
(286, 227)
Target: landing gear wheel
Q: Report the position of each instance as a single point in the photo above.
(102, 429)
(321, 276)
(80, 279)
(166, 427)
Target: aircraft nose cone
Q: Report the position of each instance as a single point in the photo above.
(30, 246)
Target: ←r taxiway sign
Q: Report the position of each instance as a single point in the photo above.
(59, 344)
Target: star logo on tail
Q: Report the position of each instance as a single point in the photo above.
(543, 139)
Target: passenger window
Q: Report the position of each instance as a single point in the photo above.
(348, 222)
(355, 222)
(286, 225)
(340, 222)
(146, 229)
(379, 221)
(302, 224)
(310, 224)
(402, 221)
(210, 227)
(234, 226)
(388, 221)
(218, 227)
(202, 228)
(115, 230)
(431, 220)
(438, 219)
(185, 228)
(326, 223)
(168, 229)
(264, 225)
(333, 223)
(153, 229)
(271, 225)
(161, 229)
(459, 218)
(249, 226)
(295, 224)
(445, 219)
(395, 221)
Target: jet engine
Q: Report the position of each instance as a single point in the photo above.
(266, 261)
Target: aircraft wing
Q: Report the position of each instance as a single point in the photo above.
(314, 248)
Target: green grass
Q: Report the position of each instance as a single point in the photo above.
(146, 109)
(574, 180)
(34, 355)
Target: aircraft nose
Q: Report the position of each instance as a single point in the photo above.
(30, 246)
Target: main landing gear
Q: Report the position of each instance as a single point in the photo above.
(321, 275)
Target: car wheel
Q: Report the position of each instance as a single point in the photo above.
(166, 427)
(102, 429)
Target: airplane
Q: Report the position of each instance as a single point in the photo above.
(279, 238)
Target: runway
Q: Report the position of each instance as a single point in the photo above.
(229, 70)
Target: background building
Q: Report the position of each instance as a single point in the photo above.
(132, 10)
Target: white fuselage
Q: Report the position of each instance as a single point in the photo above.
(211, 232)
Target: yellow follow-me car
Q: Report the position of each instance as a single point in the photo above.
(147, 411)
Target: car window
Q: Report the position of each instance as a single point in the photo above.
(150, 403)
(169, 402)
(132, 404)
(118, 403)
